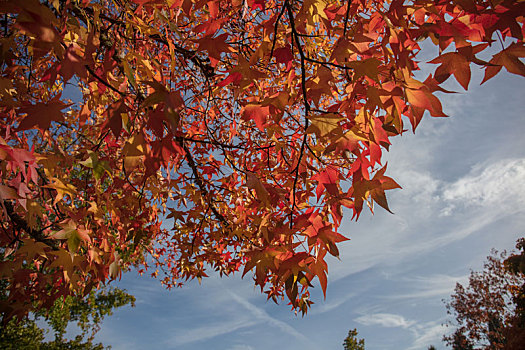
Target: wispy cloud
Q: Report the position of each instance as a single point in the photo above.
(499, 185)
(242, 347)
(262, 315)
(428, 334)
(484, 195)
(332, 305)
(384, 320)
(473, 224)
(424, 334)
(207, 332)
(429, 286)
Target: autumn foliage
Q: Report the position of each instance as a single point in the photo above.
(246, 125)
(489, 312)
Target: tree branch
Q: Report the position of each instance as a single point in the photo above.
(103, 81)
(22, 224)
(305, 102)
(205, 67)
(198, 180)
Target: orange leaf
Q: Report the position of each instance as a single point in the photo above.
(426, 100)
(453, 63)
(257, 113)
(254, 183)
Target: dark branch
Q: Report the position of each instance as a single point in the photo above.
(198, 180)
(305, 102)
(21, 224)
(346, 16)
(103, 81)
(190, 55)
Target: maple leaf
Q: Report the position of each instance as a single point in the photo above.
(257, 4)
(41, 114)
(508, 58)
(325, 124)
(134, 151)
(210, 27)
(380, 183)
(62, 189)
(319, 267)
(37, 20)
(7, 192)
(257, 113)
(424, 99)
(234, 77)
(99, 167)
(73, 63)
(452, 63)
(284, 55)
(254, 183)
(73, 234)
(215, 46)
(114, 115)
(328, 181)
(368, 67)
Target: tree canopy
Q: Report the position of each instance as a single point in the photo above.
(248, 126)
(351, 341)
(489, 312)
(87, 313)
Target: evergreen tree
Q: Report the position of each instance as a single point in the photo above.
(352, 343)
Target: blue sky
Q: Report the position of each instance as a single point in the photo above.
(463, 193)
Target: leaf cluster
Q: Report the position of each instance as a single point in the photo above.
(181, 136)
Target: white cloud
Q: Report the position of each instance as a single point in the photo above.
(489, 192)
(242, 347)
(430, 286)
(420, 187)
(384, 320)
(429, 334)
(332, 304)
(425, 334)
(262, 315)
(207, 332)
(499, 185)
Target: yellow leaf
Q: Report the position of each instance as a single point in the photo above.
(114, 267)
(324, 124)
(368, 67)
(34, 210)
(134, 151)
(62, 189)
(98, 166)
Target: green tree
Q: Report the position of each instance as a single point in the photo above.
(87, 313)
(352, 343)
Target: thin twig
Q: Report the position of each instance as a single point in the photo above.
(103, 81)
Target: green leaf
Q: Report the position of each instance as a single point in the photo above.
(73, 241)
